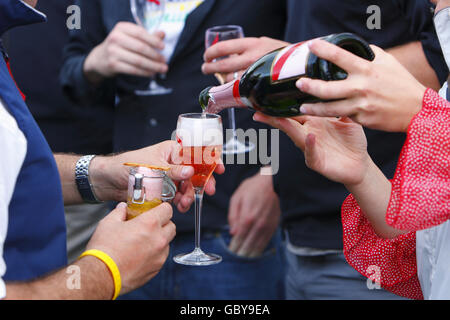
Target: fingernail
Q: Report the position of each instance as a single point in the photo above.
(121, 205)
(300, 83)
(311, 43)
(185, 172)
(233, 245)
(243, 253)
(303, 110)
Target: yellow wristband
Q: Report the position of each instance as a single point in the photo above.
(106, 259)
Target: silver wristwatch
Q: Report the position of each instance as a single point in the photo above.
(82, 179)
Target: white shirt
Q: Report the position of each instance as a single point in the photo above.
(176, 12)
(433, 256)
(13, 146)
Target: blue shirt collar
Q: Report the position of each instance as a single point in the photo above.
(3, 51)
(15, 13)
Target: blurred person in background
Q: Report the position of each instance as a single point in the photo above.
(316, 265)
(35, 184)
(396, 232)
(110, 58)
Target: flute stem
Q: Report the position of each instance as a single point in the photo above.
(198, 213)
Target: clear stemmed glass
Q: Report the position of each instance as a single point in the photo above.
(201, 140)
(212, 36)
(149, 14)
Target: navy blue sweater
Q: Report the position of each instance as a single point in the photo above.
(36, 58)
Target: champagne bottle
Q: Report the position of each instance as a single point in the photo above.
(268, 85)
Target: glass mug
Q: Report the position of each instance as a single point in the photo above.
(147, 188)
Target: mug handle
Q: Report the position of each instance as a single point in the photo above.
(172, 189)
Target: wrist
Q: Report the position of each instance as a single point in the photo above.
(111, 267)
(417, 104)
(91, 68)
(99, 277)
(109, 178)
(98, 177)
(368, 173)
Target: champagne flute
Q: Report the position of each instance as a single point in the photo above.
(201, 139)
(212, 36)
(149, 14)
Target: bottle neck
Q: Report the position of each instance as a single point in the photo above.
(225, 96)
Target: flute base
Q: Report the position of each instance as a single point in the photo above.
(154, 89)
(234, 146)
(197, 258)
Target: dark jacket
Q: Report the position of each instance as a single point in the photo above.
(36, 60)
(142, 121)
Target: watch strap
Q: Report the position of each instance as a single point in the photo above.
(82, 179)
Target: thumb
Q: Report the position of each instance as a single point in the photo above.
(119, 213)
(311, 156)
(179, 173)
(294, 130)
(234, 213)
(160, 34)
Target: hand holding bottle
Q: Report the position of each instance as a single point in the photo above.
(380, 95)
(268, 85)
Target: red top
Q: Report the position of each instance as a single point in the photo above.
(10, 72)
(420, 199)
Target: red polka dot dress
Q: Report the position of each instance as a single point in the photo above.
(420, 199)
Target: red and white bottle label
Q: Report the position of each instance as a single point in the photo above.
(290, 62)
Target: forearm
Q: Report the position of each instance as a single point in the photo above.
(90, 72)
(373, 195)
(88, 279)
(412, 57)
(102, 174)
(66, 167)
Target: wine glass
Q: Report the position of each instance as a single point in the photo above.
(149, 14)
(201, 140)
(212, 36)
